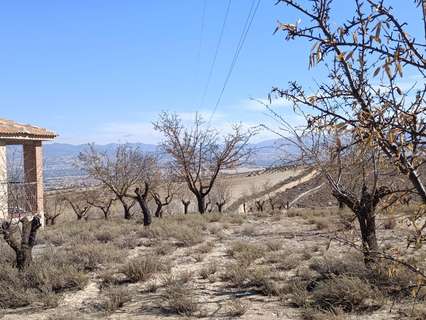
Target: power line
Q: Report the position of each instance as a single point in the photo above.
(246, 29)
(213, 64)
(200, 44)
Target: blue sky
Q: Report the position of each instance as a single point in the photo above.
(101, 70)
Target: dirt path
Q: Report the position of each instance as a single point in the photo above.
(274, 190)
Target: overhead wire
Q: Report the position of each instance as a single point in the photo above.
(216, 52)
(247, 25)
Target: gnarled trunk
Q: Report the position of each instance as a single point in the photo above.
(23, 247)
(185, 206)
(201, 203)
(141, 198)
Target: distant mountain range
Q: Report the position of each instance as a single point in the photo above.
(59, 158)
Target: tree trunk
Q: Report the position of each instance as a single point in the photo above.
(185, 206)
(24, 257)
(219, 206)
(147, 220)
(367, 223)
(158, 213)
(79, 217)
(127, 213)
(201, 202)
(23, 246)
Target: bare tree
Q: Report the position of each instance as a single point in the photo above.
(20, 235)
(148, 166)
(53, 208)
(260, 204)
(102, 200)
(120, 171)
(78, 202)
(163, 193)
(185, 204)
(220, 194)
(367, 56)
(198, 155)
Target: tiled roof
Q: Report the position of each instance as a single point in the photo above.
(11, 129)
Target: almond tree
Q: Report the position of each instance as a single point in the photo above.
(102, 200)
(220, 195)
(79, 204)
(367, 57)
(20, 235)
(148, 166)
(163, 193)
(121, 171)
(198, 154)
(53, 208)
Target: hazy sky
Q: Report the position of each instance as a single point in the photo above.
(101, 70)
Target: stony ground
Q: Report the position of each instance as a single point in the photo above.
(214, 267)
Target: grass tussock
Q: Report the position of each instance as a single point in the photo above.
(143, 268)
(245, 253)
(179, 296)
(235, 308)
(115, 298)
(47, 278)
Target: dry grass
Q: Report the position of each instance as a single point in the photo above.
(179, 296)
(143, 268)
(235, 308)
(115, 298)
(245, 253)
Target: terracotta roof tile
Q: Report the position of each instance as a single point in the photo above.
(12, 129)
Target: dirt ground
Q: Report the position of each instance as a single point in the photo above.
(287, 243)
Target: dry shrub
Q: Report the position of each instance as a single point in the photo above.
(179, 298)
(103, 236)
(245, 253)
(235, 219)
(187, 235)
(89, 257)
(164, 248)
(321, 223)
(142, 268)
(47, 277)
(248, 230)
(214, 217)
(235, 308)
(115, 298)
(274, 245)
(241, 277)
(205, 248)
(284, 260)
(348, 293)
(208, 270)
(389, 223)
(315, 314)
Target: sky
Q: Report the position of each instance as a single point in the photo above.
(101, 70)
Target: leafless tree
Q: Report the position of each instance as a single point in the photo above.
(121, 171)
(20, 235)
(102, 200)
(79, 203)
(185, 204)
(163, 193)
(260, 204)
(19, 224)
(53, 208)
(148, 165)
(220, 194)
(366, 56)
(198, 154)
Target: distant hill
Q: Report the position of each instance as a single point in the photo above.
(59, 158)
